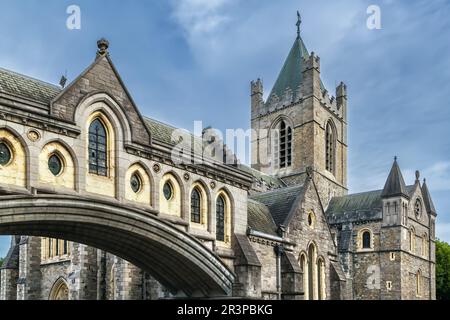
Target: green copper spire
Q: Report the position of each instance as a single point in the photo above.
(291, 74)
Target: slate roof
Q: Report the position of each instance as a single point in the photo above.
(365, 206)
(344, 240)
(355, 207)
(259, 218)
(291, 74)
(427, 198)
(25, 87)
(160, 131)
(279, 202)
(395, 185)
(271, 181)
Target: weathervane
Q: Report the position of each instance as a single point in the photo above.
(299, 22)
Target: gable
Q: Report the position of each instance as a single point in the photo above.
(100, 77)
(279, 202)
(309, 201)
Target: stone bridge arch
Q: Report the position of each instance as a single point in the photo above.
(176, 259)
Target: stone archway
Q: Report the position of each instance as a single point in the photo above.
(60, 290)
(138, 236)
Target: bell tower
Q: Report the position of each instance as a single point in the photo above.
(300, 125)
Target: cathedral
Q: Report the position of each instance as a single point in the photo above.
(283, 228)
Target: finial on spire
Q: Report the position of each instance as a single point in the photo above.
(395, 158)
(103, 46)
(299, 22)
(417, 176)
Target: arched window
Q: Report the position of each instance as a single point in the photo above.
(425, 245)
(50, 248)
(283, 145)
(170, 196)
(304, 268)
(419, 283)
(65, 247)
(312, 272)
(412, 240)
(366, 240)
(311, 219)
(330, 148)
(220, 219)
(196, 212)
(321, 279)
(98, 160)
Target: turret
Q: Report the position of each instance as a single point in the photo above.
(395, 197)
(257, 91)
(311, 84)
(341, 100)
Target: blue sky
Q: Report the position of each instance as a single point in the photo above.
(186, 60)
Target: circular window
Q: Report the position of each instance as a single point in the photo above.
(418, 208)
(55, 165)
(5, 154)
(135, 183)
(168, 191)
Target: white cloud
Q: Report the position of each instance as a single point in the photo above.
(199, 17)
(437, 175)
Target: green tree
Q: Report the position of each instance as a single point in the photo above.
(1, 261)
(442, 270)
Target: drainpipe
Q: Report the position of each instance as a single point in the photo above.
(279, 250)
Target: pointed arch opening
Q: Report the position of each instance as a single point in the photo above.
(312, 272)
(98, 148)
(60, 290)
(412, 240)
(14, 159)
(419, 283)
(170, 195)
(223, 218)
(138, 184)
(282, 137)
(330, 147)
(196, 206)
(101, 157)
(321, 286)
(304, 267)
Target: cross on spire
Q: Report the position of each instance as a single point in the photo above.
(299, 22)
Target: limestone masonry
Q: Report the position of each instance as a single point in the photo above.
(99, 209)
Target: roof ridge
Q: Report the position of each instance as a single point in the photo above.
(256, 201)
(359, 193)
(161, 122)
(258, 171)
(54, 86)
(279, 189)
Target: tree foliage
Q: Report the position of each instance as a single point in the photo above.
(442, 270)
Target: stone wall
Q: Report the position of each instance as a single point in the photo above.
(51, 273)
(8, 282)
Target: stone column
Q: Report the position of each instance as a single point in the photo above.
(29, 282)
(83, 276)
